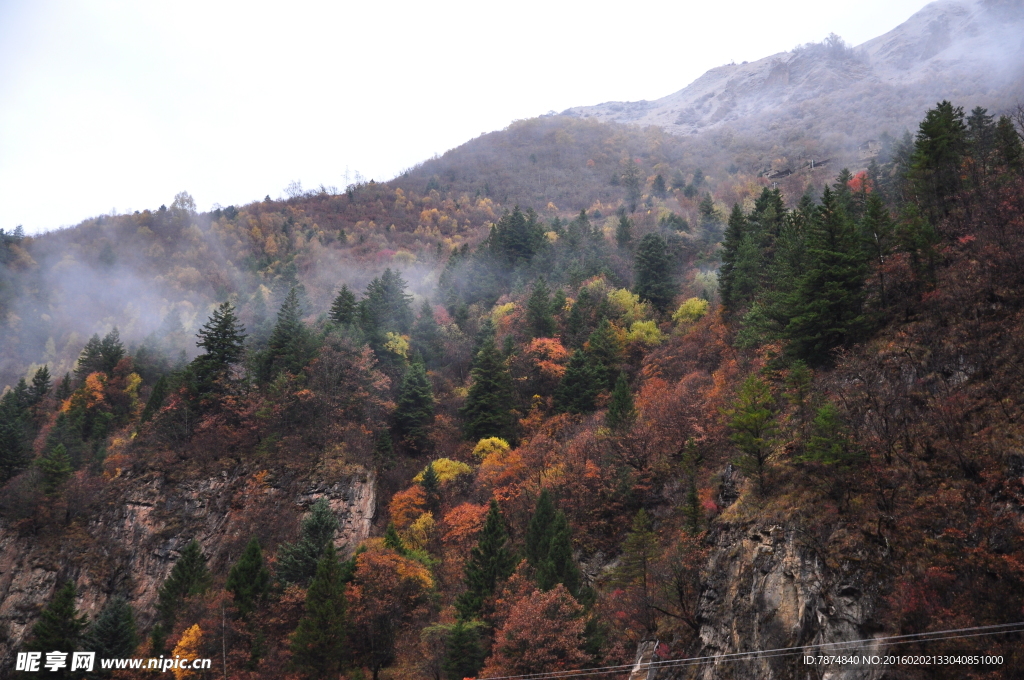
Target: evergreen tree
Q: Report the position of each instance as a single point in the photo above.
(515, 238)
(111, 351)
(431, 484)
(156, 398)
(980, 134)
(621, 411)
(464, 653)
(828, 303)
(427, 338)
(296, 562)
(631, 183)
(734, 233)
(393, 541)
(1008, 143)
(639, 550)
(40, 385)
(383, 449)
(288, 348)
(414, 413)
(579, 387)
(488, 408)
(538, 531)
(658, 187)
(385, 307)
(938, 152)
(15, 435)
(877, 233)
(318, 644)
(653, 270)
(64, 389)
(60, 627)
(113, 634)
(188, 577)
(90, 360)
(576, 325)
(538, 311)
(558, 566)
(343, 309)
(56, 469)
(753, 428)
(222, 338)
(489, 563)
(624, 230)
(249, 579)
(604, 351)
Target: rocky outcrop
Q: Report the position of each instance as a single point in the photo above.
(767, 589)
(131, 545)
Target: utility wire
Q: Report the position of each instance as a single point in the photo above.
(997, 629)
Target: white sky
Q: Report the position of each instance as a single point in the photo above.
(120, 105)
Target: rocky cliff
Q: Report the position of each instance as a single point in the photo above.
(132, 543)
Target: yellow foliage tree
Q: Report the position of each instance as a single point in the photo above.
(189, 648)
(645, 332)
(490, 445)
(690, 311)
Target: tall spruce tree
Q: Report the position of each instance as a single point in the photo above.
(488, 408)
(156, 398)
(56, 468)
(938, 152)
(60, 627)
(222, 338)
(431, 484)
(249, 579)
(653, 272)
(343, 309)
(621, 410)
(624, 230)
(727, 274)
(464, 652)
(113, 633)
(604, 351)
(111, 351)
(297, 562)
(1008, 144)
(753, 428)
(558, 566)
(90, 360)
(40, 385)
(188, 577)
(385, 307)
(289, 346)
(577, 392)
(539, 318)
(16, 433)
(414, 413)
(318, 644)
(489, 563)
(427, 338)
(538, 531)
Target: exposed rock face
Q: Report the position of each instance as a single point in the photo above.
(766, 590)
(131, 547)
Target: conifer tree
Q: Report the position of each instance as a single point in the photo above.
(90, 360)
(385, 307)
(464, 654)
(734, 233)
(15, 435)
(624, 230)
(318, 644)
(658, 187)
(64, 388)
(576, 324)
(426, 337)
(296, 562)
(489, 563)
(604, 351)
(431, 487)
(753, 429)
(393, 541)
(288, 347)
(383, 449)
(111, 351)
(55, 467)
(639, 551)
(188, 577)
(538, 531)
(156, 398)
(222, 338)
(653, 272)
(579, 387)
(249, 579)
(343, 309)
(113, 633)
(414, 413)
(877, 233)
(60, 627)
(938, 152)
(1008, 143)
(539, 318)
(40, 385)
(488, 408)
(621, 410)
(558, 566)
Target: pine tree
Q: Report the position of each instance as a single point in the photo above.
(464, 654)
(60, 627)
(318, 644)
(40, 385)
(385, 307)
(488, 408)
(414, 413)
(727, 275)
(393, 541)
(113, 633)
(427, 338)
(288, 348)
(1008, 143)
(111, 351)
(56, 469)
(980, 134)
(15, 435)
(489, 563)
(538, 311)
(877, 233)
(639, 551)
(296, 562)
(156, 398)
(558, 566)
(188, 577)
(658, 187)
(653, 270)
(753, 429)
(579, 387)
(624, 230)
(538, 531)
(249, 579)
(621, 410)
(64, 389)
(222, 338)
(431, 487)
(90, 360)
(938, 152)
(604, 351)
(343, 309)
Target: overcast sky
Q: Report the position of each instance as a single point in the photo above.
(117, 106)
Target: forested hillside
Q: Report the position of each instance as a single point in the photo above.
(580, 368)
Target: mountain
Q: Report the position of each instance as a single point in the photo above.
(828, 98)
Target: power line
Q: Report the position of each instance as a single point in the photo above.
(929, 636)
